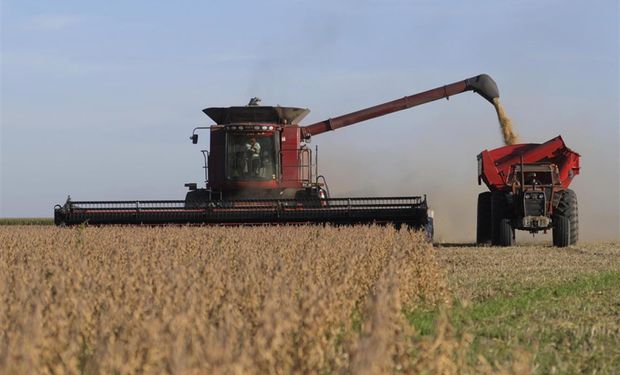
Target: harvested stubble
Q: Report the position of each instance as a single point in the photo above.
(215, 300)
(481, 273)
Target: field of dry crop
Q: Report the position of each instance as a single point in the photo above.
(258, 300)
(211, 300)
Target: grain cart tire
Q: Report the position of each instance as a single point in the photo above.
(483, 228)
(561, 231)
(429, 229)
(506, 234)
(567, 207)
(500, 223)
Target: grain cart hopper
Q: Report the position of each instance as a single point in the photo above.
(529, 191)
(259, 169)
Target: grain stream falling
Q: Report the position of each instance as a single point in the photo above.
(182, 300)
(508, 133)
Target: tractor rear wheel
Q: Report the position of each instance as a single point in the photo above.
(483, 228)
(502, 233)
(561, 231)
(567, 207)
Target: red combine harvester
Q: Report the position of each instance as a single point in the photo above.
(529, 191)
(259, 169)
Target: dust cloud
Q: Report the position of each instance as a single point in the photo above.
(510, 137)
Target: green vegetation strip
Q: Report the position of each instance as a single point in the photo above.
(27, 221)
(570, 327)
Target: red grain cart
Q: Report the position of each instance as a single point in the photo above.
(529, 191)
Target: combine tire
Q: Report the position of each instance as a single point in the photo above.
(567, 208)
(197, 199)
(502, 233)
(483, 228)
(561, 231)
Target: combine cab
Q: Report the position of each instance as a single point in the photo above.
(529, 191)
(259, 169)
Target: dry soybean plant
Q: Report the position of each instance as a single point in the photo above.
(194, 300)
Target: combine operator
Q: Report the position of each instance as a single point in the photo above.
(253, 152)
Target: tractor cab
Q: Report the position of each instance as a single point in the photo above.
(534, 186)
(537, 176)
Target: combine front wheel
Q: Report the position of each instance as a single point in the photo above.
(198, 198)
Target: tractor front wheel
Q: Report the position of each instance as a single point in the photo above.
(561, 231)
(506, 234)
(502, 233)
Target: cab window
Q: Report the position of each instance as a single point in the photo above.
(250, 156)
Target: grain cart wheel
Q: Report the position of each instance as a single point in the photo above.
(502, 233)
(483, 228)
(429, 229)
(567, 207)
(561, 231)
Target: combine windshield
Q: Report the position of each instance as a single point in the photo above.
(250, 156)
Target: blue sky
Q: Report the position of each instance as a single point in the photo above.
(99, 98)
